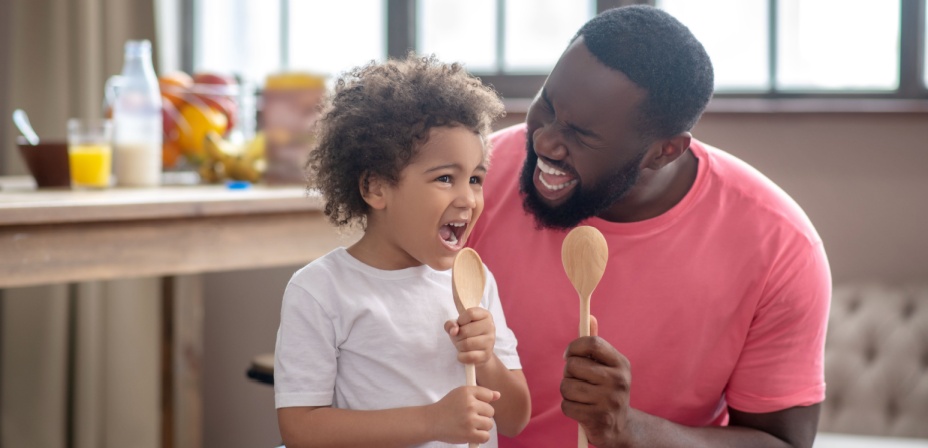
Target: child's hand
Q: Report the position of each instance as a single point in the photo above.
(474, 335)
(464, 415)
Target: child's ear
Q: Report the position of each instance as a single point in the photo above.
(373, 191)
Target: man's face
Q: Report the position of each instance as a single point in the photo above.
(584, 152)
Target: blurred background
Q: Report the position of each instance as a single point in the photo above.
(826, 97)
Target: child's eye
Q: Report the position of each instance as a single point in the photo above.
(446, 178)
(476, 180)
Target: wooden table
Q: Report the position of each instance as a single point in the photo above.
(61, 236)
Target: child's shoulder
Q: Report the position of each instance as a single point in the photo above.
(323, 267)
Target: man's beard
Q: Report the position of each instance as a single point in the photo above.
(584, 202)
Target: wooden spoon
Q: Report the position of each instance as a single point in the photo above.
(467, 282)
(584, 254)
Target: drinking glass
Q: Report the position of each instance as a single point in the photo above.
(90, 152)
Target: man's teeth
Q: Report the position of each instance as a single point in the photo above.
(548, 169)
(558, 186)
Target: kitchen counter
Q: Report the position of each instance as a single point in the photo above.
(172, 233)
(49, 236)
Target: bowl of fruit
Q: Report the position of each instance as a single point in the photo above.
(202, 113)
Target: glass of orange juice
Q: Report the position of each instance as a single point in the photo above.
(90, 152)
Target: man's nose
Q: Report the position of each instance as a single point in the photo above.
(547, 142)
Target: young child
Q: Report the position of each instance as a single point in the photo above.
(362, 356)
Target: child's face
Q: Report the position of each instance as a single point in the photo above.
(430, 213)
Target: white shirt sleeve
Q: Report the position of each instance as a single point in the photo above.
(306, 352)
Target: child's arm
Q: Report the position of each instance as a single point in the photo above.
(462, 416)
(474, 335)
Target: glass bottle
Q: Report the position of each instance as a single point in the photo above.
(137, 129)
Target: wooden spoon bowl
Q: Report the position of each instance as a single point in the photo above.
(467, 279)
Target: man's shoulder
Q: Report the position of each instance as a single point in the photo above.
(750, 193)
(733, 173)
(508, 142)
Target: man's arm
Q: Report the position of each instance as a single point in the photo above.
(595, 390)
(794, 427)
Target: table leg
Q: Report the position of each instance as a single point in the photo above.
(182, 361)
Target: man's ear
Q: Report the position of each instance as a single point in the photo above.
(373, 190)
(667, 150)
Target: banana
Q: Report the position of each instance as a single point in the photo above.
(223, 161)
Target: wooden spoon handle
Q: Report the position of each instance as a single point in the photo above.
(470, 372)
(585, 316)
(584, 331)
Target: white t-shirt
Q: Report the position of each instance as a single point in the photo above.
(356, 337)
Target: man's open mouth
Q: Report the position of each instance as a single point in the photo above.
(553, 183)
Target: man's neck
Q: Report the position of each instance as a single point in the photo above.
(656, 192)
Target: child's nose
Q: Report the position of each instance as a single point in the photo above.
(466, 197)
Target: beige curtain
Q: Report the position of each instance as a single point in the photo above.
(58, 54)
(79, 364)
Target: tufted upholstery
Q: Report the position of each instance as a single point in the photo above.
(876, 361)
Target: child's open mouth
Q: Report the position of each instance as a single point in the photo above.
(452, 234)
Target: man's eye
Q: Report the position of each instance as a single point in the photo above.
(444, 178)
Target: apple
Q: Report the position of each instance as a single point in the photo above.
(213, 78)
(174, 86)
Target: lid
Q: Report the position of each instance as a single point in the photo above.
(294, 80)
(137, 48)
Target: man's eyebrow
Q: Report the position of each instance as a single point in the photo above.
(580, 130)
(583, 131)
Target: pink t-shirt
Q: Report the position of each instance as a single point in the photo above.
(721, 301)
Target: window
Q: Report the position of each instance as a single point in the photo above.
(760, 48)
(497, 36)
(253, 38)
(499, 40)
(808, 47)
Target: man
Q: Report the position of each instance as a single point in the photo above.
(713, 308)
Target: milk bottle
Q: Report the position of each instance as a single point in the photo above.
(137, 127)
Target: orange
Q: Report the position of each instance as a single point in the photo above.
(200, 121)
(170, 152)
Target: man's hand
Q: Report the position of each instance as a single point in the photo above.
(474, 335)
(595, 389)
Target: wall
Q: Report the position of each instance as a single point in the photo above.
(241, 317)
(862, 178)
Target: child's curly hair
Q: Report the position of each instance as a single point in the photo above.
(380, 114)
